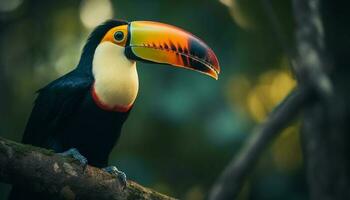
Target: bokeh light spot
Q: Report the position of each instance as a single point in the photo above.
(238, 14)
(94, 12)
(286, 150)
(281, 85)
(256, 105)
(260, 98)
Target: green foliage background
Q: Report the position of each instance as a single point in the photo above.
(185, 127)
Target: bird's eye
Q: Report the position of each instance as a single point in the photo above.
(119, 36)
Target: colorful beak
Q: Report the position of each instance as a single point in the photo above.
(166, 44)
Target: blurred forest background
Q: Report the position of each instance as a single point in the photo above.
(184, 127)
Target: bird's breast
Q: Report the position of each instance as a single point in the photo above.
(116, 79)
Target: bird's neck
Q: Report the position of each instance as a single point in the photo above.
(116, 80)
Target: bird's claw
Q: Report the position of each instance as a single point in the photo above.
(116, 172)
(73, 152)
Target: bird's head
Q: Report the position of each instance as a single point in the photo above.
(163, 44)
(114, 47)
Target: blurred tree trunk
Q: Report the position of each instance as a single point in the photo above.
(322, 64)
(323, 34)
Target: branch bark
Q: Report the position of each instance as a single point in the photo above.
(231, 180)
(62, 177)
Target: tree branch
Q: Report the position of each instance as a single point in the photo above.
(62, 177)
(231, 180)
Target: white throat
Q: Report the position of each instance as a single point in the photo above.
(116, 79)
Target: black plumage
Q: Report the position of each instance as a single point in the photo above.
(65, 116)
(74, 111)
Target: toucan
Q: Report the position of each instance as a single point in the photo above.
(81, 114)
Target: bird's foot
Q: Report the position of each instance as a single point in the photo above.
(73, 152)
(116, 172)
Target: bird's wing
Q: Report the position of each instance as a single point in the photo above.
(54, 104)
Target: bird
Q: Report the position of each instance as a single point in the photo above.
(81, 113)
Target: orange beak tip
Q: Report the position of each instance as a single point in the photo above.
(216, 77)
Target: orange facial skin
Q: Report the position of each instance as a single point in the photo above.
(109, 36)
